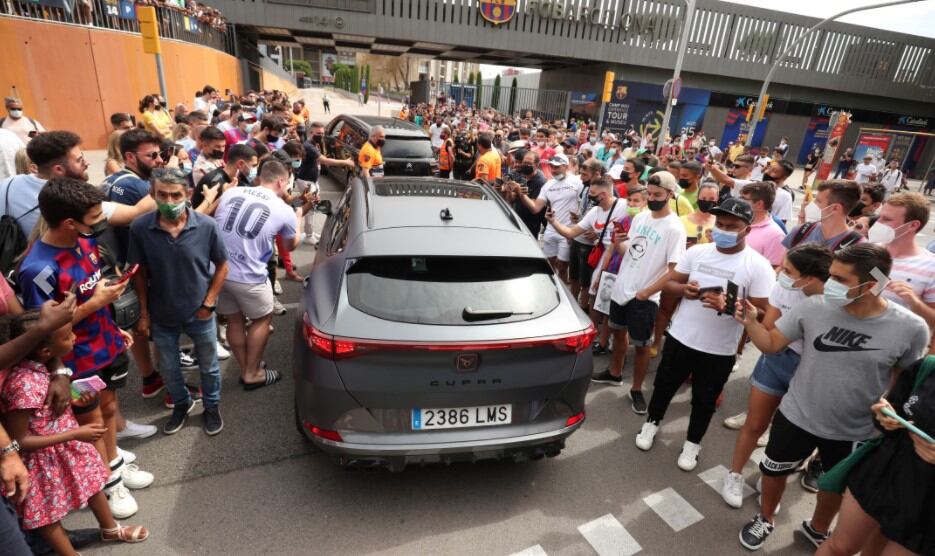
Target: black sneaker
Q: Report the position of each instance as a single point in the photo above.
(755, 533)
(605, 377)
(637, 402)
(812, 535)
(813, 472)
(177, 419)
(598, 349)
(212, 421)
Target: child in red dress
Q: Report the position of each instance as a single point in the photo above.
(65, 471)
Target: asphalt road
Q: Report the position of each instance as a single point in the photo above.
(258, 488)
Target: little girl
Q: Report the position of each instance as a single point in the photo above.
(65, 471)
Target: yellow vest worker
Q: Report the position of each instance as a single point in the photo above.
(371, 159)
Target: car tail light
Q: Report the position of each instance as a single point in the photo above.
(574, 419)
(334, 348)
(322, 433)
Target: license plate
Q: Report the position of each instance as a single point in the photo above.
(459, 417)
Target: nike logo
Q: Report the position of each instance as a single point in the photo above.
(842, 340)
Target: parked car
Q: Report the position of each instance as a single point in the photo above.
(407, 152)
(433, 329)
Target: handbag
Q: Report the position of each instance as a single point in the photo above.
(835, 479)
(594, 257)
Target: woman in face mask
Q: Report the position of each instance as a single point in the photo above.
(803, 273)
(698, 224)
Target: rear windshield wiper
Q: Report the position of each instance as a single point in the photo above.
(473, 315)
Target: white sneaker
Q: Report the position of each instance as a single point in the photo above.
(309, 240)
(222, 335)
(127, 455)
(277, 288)
(688, 459)
(222, 353)
(736, 422)
(121, 502)
(763, 440)
(732, 489)
(136, 430)
(134, 477)
(644, 440)
(187, 361)
(278, 309)
(737, 363)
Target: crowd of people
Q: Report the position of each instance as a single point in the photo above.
(104, 13)
(700, 247)
(684, 251)
(183, 239)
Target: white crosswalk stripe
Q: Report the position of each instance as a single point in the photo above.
(531, 551)
(714, 478)
(608, 537)
(673, 509)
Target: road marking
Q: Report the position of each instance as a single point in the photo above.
(608, 537)
(673, 509)
(531, 551)
(714, 478)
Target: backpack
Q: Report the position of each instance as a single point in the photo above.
(13, 241)
(847, 239)
(35, 126)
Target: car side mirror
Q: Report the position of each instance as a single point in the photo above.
(323, 207)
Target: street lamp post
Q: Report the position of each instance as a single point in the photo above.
(680, 57)
(781, 57)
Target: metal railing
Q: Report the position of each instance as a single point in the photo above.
(120, 15)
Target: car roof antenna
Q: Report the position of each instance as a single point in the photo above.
(445, 215)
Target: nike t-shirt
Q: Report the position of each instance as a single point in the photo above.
(846, 365)
(563, 196)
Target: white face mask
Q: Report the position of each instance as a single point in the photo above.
(16, 114)
(786, 282)
(813, 213)
(882, 233)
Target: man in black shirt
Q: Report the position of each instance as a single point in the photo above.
(528, 170)
(241, 166)
(314, 159)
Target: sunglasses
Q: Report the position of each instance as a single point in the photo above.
(152, 156)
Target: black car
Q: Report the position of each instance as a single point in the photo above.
(407, 152)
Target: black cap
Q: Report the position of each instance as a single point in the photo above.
(735, 207)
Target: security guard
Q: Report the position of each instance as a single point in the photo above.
(370, 158)
(488, 163)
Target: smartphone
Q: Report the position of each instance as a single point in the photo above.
(298, 202)
(916, 430)
(712, 289)
(619, 228)
(127, 274)
(743, 301)
(732, 291)
(59, 297)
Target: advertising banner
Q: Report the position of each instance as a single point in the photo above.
(328, 61)
(737, 128)
(873, 144)
(127, 9)
(837, 125)
(816, 134)
(641, 106)
(900, 148)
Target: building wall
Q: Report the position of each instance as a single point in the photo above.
(74, 78)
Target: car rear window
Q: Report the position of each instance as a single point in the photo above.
(403, 147)
(452, 290)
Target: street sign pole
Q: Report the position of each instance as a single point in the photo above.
(149, 31)
(680, 57)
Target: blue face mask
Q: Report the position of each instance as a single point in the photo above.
(187, 167)
(724, 240)
(252, 174)
(836, 293)
(296, 164)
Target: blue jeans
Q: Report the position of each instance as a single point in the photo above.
(204, 334)
(11, 537)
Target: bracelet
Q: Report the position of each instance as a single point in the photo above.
(210, 308)
(9, 449)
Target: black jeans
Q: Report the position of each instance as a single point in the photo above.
(709, 374)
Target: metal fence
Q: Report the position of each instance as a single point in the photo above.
(543, 103)
(121, 16)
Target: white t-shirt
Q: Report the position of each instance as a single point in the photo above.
(864, 172)
(759, 166)
(250, 218)
(782, 204)
(436, 133)
(22, 127)
(563, 196)
(10, 144)
(225, 126)
(702, 329)
(739, 184)
(919, 272)
(595, 219)
(891, 180)
(654, 244)
(785, 300)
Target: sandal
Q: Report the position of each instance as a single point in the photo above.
(127, 534)
(272, 377)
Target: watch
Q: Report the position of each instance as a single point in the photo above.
(210, 308)
(62, 371)
(9, 449)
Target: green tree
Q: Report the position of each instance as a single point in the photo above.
(355, 80)
(495, 96)
(455, 80)
(470, 78)
(513, 96)
(479, 83)
(299, 65)
(369, 84)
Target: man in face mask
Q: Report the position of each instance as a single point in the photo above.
(579, 273)
(765, 235)
(241, 132)
(855, 343)
(826, 217)
(526, 178)
(240, 169)
(370, 158)
(178, 291)
(689, 178)
(778, 173)
(15, 121)
(213, 144)
(703, 337)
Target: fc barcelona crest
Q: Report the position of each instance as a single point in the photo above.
(497, 11)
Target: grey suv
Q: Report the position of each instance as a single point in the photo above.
(432, 329)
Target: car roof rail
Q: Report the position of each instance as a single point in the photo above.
(368, 192)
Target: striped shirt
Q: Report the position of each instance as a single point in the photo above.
(919, 272)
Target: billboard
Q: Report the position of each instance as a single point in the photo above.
(641, 106)
(873, 144)
(837, 124)
(737, 128)
(816, 134)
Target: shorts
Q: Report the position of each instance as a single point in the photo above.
(578, 267)
(772, 373)
(789, 446)
(254, 301)
(554, 245)
(114, 377)
(636, 317)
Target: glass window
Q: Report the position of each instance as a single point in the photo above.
(403, 147)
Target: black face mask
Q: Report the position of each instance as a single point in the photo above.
(273, 138)
(656, 205)
(706, 206)
(685, 184)
(216, 155)
(594, 199)
(96, 230)
(625, 176)
(380, 143)
(527, 169)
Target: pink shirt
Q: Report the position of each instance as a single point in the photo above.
(766, 239)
